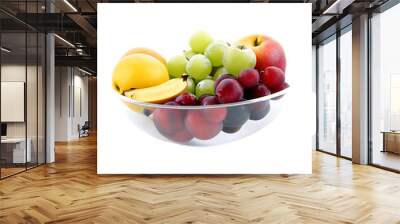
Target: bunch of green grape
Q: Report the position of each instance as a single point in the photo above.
(202, 63)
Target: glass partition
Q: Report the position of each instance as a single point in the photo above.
(14, 153)
(22, 67)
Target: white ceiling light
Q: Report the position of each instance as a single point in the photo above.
(337, 7)
(84, 71)
(5, 50)
(65, 41)
(70, 5)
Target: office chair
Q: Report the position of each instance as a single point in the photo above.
(84, 130)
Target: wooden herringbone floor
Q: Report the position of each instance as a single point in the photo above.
(69, 191)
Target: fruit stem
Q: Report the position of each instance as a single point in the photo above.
(257, 41)
(241, 47)
(185, 77)
(187, 58)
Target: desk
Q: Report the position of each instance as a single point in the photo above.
(18, 149)
(391, 141)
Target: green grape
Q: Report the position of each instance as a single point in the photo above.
(199, 41)
(177, 66)
(205, 86)
(220, 71)
(198, 67)
(237, 59)
(188, 54)
(215, 52)
(191, 85)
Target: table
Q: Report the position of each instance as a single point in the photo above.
(391, 141)
(18, 150)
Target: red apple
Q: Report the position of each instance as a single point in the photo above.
(268, 51)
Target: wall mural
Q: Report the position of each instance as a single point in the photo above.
(209, 88)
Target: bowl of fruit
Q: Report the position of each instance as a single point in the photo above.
(211, 94)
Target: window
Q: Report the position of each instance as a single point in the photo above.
(385, 89)
(346, 93)
(327, 96)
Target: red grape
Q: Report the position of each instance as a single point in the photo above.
(222, 77)
(186, 99)
(214, 115)
(280, 87)
(172, 103)
(273, 77)
(249, 78)
(259, 91)
(209, 100)
(169, 120)
(229, 91)
(181, 136)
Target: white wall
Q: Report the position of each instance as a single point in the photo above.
(71, 102)
(62, 81)
(80, 109)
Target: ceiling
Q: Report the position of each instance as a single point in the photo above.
(76, 22)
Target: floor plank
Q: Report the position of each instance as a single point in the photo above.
(70, 191)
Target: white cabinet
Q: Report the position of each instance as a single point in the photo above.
(18, 149)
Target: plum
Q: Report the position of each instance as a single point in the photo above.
(236, 117)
